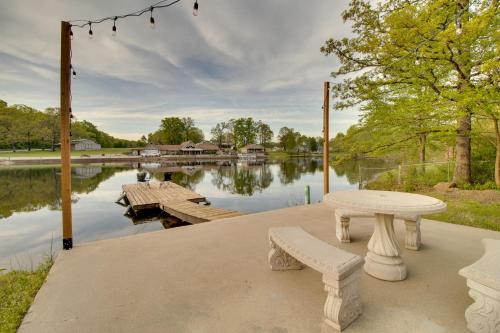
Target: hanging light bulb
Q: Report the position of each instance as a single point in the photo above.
(152, 19)
(114, 26)
(91, 33)
(70, 32)
(73, 72)
(195, 8)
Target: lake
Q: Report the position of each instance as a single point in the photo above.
(30, 216)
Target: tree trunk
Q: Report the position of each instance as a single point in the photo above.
(422, 141)
(497, 160)
(462, 172)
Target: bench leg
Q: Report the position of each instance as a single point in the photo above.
(342, 304)
(279, 260)
(483, 316)
(342, 224)
(413, 240)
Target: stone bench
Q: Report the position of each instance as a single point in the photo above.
(483, 279)
(292, 248)
(343, 220)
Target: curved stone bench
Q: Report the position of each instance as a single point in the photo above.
(483, 279)
(292, 248)
(343, 221)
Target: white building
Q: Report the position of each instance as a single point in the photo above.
(84, 144)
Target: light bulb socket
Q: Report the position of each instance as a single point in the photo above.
(151, 18)
(195, 8)
(91, 33)
(114, 26)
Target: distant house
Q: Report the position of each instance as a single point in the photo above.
(253, 149)
(185, 148)
(149, 151)
(252, 152)
(84, 144)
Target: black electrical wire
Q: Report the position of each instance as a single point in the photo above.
(160, 4)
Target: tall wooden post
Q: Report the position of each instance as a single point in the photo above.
(326, 136)
(66, 135)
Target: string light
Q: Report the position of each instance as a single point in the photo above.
(73, 72)
(152, 19)
(70, 32)
(195, 8)
(90, 30)
(114, 26)
(159, 4)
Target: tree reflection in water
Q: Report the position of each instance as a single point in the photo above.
(243, 178)
(30, 189)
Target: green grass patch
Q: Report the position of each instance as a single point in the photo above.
(467, 211)
(17, 291)
(48, 153)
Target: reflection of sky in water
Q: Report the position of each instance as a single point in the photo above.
(26, 237)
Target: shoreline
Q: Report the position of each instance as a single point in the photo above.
(114, 158)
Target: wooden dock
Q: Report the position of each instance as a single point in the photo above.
(173, 199)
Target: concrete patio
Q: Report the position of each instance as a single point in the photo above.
(214, 277)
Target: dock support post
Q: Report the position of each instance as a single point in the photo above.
(66, 135)
(326, 143)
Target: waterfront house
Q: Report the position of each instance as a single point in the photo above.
(83, 144)
(253, 149)
(185, 148)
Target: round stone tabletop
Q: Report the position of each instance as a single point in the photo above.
(384, 202)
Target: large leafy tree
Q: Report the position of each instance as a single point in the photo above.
(264, 133)
(244, 131)
(288, 139)
(447, 47)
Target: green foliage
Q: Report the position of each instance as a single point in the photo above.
(419, 70)
(174, 130)
(23, 127)
(241, 132)
(264, 133)
(17, 291)
(244, 131)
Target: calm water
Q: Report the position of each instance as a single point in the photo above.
(30, 217)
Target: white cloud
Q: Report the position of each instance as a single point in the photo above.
(238, 58)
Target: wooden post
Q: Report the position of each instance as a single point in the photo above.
(326, 143)
(307, 195)
(66, 135)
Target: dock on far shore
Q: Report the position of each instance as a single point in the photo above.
(173, 199)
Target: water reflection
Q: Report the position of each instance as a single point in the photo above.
(31, 189)
(30, 218)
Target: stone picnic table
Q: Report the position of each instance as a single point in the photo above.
(383, 259)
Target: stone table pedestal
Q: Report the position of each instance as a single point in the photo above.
(383, 259)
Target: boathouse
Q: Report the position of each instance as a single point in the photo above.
(185, 148)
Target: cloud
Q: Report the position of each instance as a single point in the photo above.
(237, 58)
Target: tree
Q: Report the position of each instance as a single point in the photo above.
(288, 139)
(53, 126)
(188, 125)
(218, 132)
(196, 135)
(244, 131)
(264, 133)
(172, 131)
(444, 46)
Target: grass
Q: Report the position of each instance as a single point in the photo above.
(48, 153)
(17, 291)
(470, 207)
(475, 206)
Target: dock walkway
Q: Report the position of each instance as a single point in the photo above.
(174, 199)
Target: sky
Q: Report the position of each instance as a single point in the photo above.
(238, 58)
